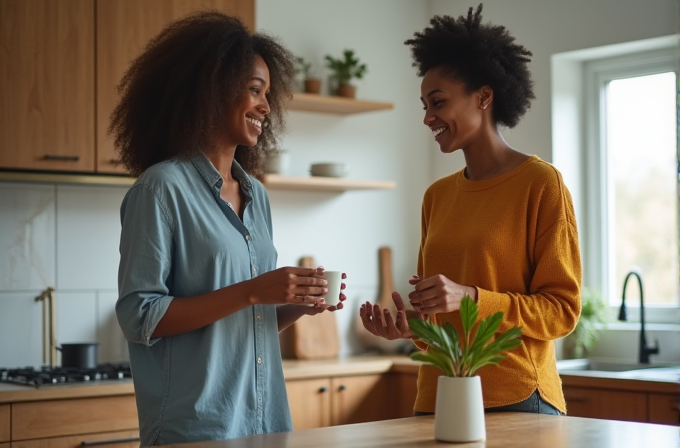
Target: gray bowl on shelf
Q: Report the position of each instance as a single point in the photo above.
(329, 169)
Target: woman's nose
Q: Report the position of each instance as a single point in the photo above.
(428, 119)
(264, 108)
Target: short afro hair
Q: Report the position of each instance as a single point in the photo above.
(478, 55)
(176, 95)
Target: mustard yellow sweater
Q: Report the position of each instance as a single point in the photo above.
(513, 237)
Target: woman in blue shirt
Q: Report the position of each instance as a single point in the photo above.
(200, 299)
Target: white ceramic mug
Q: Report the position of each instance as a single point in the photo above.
(334, 279)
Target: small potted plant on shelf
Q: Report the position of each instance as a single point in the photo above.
(344, 70)
(459, 407)
(303, 68)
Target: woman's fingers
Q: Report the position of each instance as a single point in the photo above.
(366, 314)
(398, 301)
(414, 280)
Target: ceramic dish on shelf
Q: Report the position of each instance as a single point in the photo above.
(329, 169)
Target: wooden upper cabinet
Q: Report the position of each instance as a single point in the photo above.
(124, 27)
(47, 85)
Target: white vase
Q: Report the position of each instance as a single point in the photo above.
(459, 410)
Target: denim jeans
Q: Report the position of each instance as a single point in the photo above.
(534, 404)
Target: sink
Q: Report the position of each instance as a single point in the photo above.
(569, 365)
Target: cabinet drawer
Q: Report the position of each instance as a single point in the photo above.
(118, 439)
(663, 408)
(608, 404)
(4, 423)
(69, 417)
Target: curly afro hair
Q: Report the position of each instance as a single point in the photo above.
(478, 55)
(177, 94)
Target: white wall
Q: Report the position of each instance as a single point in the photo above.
(344, 231)
(67, 236)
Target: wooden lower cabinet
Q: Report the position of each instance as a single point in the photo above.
(4, 445)
(607, 404)
(360, 399)
(405, 387)
(4, 423)
(316, 403)
(69, 417)
(663, 408)
(117, 439)
(310, 402)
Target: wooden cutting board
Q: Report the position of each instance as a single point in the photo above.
(311, 337)
(386, 287)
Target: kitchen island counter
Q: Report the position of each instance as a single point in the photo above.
(503, 430)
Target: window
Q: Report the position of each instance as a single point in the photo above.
(631, 182)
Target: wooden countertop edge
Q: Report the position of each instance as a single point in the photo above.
(60, 392)
(336, 367)
(297, 370)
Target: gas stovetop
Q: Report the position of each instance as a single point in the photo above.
(54, 376)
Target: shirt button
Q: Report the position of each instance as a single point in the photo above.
(258, 317)
(254, 271)
(259, 360)
(248, 237)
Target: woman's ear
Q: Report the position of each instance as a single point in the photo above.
(485, 97)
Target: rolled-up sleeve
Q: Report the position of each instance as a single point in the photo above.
(144, 271)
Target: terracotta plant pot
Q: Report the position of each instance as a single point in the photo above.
(313, 85)
(459, 410)
(346, 90)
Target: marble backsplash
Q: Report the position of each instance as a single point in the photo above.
(65, 237)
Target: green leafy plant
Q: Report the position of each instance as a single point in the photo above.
(345, 68)
(303, 67)
(463, 355)
(593, 314)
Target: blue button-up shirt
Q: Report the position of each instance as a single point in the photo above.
(179, 239)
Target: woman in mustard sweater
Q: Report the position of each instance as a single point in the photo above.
(502, 230)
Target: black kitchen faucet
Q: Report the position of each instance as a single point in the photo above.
(644, 350)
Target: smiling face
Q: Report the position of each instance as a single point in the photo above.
(245, 120)
(455, 117)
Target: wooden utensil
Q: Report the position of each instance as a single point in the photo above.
(311, 337)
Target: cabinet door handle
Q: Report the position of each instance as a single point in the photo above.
(115, 162)
(60, 158)
(323, 390)
(342, 387)
(110, 441)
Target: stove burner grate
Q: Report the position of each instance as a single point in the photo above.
(47, 376)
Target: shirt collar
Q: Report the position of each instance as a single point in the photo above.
(214, 179)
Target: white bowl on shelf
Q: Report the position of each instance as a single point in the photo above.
(329, 169)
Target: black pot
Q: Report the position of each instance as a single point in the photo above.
(81, 356)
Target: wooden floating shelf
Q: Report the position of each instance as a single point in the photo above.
(270, 181)
(276, 182)
(310, 102)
